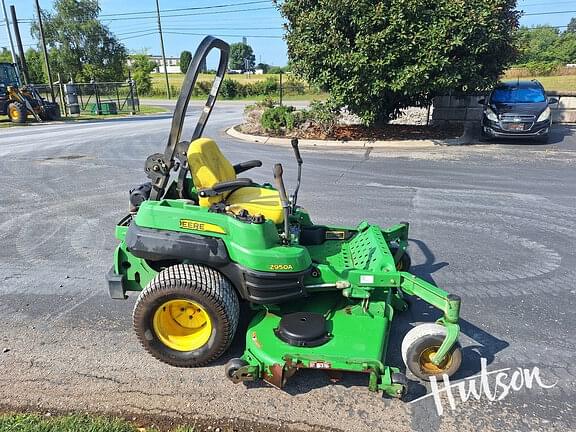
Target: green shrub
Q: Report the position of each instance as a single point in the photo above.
(266, 102)
(379, 57)
(324, 115)
(278, 118)
(229, 89)
(295, 87)
(542, 68)
(202, 88)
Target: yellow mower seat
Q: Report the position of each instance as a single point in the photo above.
(208, 167)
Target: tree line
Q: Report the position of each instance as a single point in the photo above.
(374, 57)
(543, 49)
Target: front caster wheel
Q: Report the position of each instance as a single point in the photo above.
(419, 347)
(232, 367)
(187, 315)
(404, 262)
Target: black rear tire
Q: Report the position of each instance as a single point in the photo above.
(203, 287)
(17, 112)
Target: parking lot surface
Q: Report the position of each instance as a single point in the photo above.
(494, 223)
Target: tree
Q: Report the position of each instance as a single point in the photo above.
(543, 48)
(185, 59)
(565, 48)
(82, 47)
(5, 55)
(35, 64)
(377, 57)
(142, 66)
(571, 26)
(276, 70)
(265, 67)
(241, 57)
(536, 44)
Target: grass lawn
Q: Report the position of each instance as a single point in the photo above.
(144, 109)
(554, 83)
(72, 423)
(158, 79)
(175, 80)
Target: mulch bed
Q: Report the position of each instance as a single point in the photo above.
(388, 132)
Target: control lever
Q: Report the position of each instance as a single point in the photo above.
(294, 197)
(278, 171)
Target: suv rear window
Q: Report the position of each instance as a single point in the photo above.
(518, 95)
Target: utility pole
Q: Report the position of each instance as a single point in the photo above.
(43, 41)
(163, 53)
(14, 59)
(23, 65)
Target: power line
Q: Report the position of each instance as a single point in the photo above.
(136, 31)
(138, 36)
(545, 4)
(225, 35)
(189, 8)
(543, 26)
(549, 13)
(224, 28)
(193, 14)
(182, 15)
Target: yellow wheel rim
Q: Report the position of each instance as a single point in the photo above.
(14, 113)
(182, 325)
(430, 368)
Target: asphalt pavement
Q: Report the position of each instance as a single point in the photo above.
(494, 223)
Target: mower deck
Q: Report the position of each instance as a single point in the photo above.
(356, 340)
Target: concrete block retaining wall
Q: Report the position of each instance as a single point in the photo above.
(461, 109)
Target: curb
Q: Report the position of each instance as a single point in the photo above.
(260, 139)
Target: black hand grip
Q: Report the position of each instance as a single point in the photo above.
(232, 184)
(294, 143)
(245, 166)
(278, 171)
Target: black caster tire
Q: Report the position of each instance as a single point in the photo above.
(187, 315)
(233, 366)
(404, 263)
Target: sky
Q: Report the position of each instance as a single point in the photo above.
(134, 23)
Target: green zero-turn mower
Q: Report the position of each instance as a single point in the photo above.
(199, 240)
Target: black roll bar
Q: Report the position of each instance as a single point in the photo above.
(159, 166)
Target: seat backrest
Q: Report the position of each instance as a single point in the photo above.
(208, 166)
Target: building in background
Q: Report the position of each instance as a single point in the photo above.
(172, 64)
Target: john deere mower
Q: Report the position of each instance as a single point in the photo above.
(18, 101)
(200, 240)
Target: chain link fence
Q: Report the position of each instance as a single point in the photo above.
(96, 98)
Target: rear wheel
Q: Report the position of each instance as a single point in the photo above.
(187, 315)
(17, 112)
